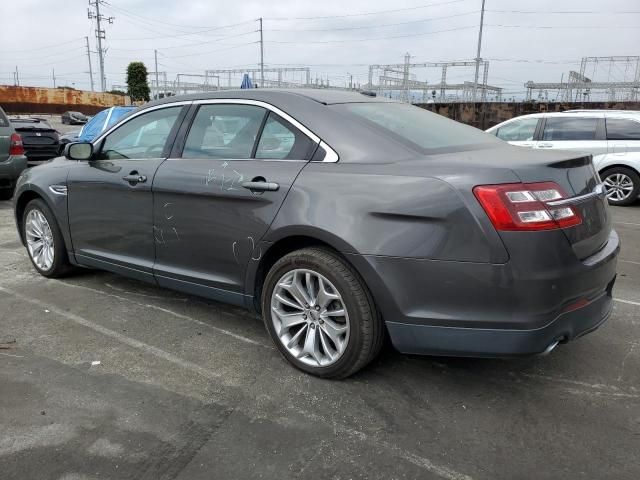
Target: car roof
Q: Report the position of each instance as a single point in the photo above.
(324, 96)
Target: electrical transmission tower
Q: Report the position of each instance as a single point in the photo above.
(100, 35)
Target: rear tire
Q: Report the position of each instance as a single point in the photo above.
(339, 332)
(622, 185)
(39, 226)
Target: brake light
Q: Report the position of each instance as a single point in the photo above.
(524, 206)
(15, 145)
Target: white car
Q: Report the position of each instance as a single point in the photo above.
(611, 136)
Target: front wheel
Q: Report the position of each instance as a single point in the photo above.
(622, 185)
(44, 241)
(320, 314)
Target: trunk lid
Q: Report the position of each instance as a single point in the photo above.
(574, 172)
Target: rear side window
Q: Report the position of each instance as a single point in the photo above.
(518, 131)
(224, 131)
(4, 122)
(421, 128)
(281, 140)
(622, 129)
(570, 128)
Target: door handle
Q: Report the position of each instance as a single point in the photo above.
(545, 145)
(134, 178)
(261, 186)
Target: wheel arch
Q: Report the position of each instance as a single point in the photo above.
(618, 165)
(287, 243)
(59, 210)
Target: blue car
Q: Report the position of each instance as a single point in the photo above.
(98, 124)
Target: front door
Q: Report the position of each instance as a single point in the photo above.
(110, 199)
(520, 132)
(577, 133)
(215, 203)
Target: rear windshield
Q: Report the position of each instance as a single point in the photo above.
(423, 129)
(30, 123)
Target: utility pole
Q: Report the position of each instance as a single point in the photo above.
(90, 67)
(53, 73)
(475, 81)
(100, 35)
(155, 52)
(261, 56)
(17, 77)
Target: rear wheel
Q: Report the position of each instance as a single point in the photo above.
(622, 185)
(320, 315)
(45, 244)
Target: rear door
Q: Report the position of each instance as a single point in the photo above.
(623, 135)
(216, 199)
(575, 133)
(110, 200)
(520, 132)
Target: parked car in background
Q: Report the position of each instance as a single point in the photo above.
(101, 121)
(40, 140)
(68, 137)
(611, 136)
(74, 118)
(338, 217)
(12, 158)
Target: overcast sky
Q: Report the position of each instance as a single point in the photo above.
(523, 40)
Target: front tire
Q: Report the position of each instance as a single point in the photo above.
(622, 185)
(320, 315)
(45, 244)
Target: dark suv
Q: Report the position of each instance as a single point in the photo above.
(40, 140)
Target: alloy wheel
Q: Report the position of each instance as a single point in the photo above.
(310, 317)
(39, 239)
(619, 186)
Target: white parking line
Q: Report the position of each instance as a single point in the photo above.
(629, 261)
(166, 310)
(627, 223)
(630, 302)
(117, 336)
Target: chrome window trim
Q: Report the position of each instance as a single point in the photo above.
(330, 154)
(137, 114)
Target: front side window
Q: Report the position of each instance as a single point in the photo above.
(570, 128)
(281, 140)
(224, 131)
(144, 136)
(518, 131)
(622, 129)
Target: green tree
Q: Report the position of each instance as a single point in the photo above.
(137, 85)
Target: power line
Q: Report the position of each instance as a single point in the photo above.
(186, 44)
(563, 26)
(371, 26)
(4, 52)
(562, 12)
(378, 12)
(355, 40)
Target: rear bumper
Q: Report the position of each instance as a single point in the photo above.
(478, 309)
(493, 342)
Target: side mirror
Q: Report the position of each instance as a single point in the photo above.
(78, 151)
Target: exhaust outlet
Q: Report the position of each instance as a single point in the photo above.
(550, 347)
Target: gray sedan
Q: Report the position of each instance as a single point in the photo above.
(340, 218)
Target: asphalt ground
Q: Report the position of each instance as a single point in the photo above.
(188, 389)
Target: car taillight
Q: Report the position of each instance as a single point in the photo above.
(524, 206)
(15, 145)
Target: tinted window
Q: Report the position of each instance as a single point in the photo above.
(518, 131)
(283, 141)
(224, 131)
(570, 128)
(622, 129)
(423, 129)
(144, 136)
